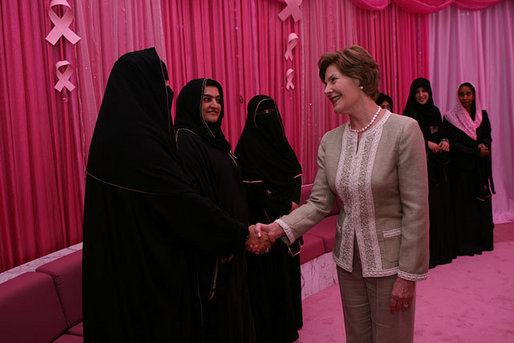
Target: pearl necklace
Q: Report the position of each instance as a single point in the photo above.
(368, 125)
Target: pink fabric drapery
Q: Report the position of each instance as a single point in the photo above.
(241, 44)
(45, 134)
(425, 6)
(41, 192)
(477, 46)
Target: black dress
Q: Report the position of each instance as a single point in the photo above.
(272, 177)
(442, 232)
(142, 231)
(472, 184)
(207, 158)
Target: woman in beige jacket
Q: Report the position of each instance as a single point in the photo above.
(376, 165)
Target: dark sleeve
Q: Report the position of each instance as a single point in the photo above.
(485, 130)
(456, 145)
(196, 162)
(261, 196)
(197, 222)
(297, 189)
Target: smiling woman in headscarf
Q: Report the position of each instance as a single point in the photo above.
(207, 158)
(420, 106)
(470, 170)
(272, 176)
(142, 231)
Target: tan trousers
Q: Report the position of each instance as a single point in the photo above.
(367, 308)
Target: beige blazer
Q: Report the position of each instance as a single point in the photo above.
(383, 184)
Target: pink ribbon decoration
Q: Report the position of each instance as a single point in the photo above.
(289, 78)
(292, 8)
(61, 24)
(292, 40)
(64, 77)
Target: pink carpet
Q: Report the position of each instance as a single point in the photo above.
(469, 300)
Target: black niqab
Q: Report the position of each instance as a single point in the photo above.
(263, 151)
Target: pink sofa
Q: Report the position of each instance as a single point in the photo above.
(320, 239)
(45, 305)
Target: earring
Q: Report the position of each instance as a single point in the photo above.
(361, 87)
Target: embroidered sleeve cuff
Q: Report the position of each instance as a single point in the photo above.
(287, 231)
(412, 277)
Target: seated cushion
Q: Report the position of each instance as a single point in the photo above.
(67, 275)
(306, 193)
(326, 230)
(30, 310)
(76, 330)
(312, 247)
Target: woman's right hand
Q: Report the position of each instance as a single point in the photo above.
(484, 150)
(434, 147)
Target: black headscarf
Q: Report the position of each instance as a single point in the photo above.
(384, 97)
(189, 113)
(263, 151)
(427, 114)
(133, 145)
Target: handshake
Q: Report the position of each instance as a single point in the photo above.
(262, 237)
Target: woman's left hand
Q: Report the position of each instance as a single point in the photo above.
(403, 295)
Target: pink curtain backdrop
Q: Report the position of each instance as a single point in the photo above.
(45, 135)
(476, 46)
(425, 6)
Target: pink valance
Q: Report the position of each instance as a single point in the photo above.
(425, 6)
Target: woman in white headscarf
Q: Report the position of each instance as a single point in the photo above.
(469, 131)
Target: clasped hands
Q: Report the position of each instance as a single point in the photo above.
(261, 237)
(444, 145)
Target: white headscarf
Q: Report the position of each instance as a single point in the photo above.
(461, 119)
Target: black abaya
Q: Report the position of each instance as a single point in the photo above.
(442, 232)
(471, 179)
(207, 158)
(142, 231)
(272, 177)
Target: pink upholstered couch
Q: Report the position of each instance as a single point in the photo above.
(320, 239)
(45, 305)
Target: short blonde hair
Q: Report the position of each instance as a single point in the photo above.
(355, 62)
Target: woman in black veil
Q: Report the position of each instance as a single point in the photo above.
(208, 160)
(420, 106)
(142, 231)
(272, 176)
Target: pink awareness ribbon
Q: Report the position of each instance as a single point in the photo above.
(289, 78)
(292, 8)
(292, 40)
(61, 24)
(64, 77)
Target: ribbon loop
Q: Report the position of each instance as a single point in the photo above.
(289, 78)
(64, 77)
(61, 24)
(292, 8)
(292, 40)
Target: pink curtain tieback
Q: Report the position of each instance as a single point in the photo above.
(61, 24)
(292, 8)
(289, 78)
(64, 77)
(292, 40)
